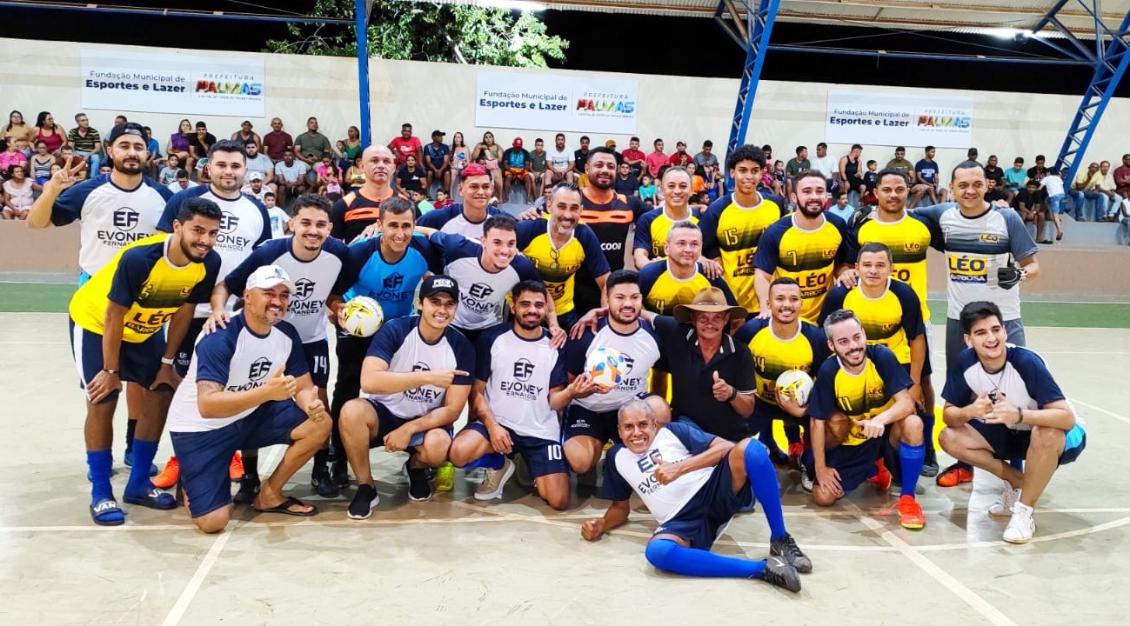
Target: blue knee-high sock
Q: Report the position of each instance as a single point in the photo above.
(669, 556)
(1017, 464)
(100, 462)
(490, 460)
(792, 432)
(763, 480)
(143, 454)
(911, 459)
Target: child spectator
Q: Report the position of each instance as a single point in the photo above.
(168, 173)
(280, 221)
(443, 200)
(647, 190)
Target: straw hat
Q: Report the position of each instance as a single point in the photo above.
(709, 300)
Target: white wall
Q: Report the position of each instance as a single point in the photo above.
(433, 95)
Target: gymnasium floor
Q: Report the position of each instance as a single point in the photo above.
(453, 560)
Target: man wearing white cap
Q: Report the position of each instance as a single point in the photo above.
(248, 386)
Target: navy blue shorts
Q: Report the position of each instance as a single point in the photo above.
(856, 464)
(137, 362)
(318, 360)
(705, 516)
(581, 421)
(387, 422)
(567, 320)
(1011, 444)
(542, 456)
(472, 335)
(204, 456)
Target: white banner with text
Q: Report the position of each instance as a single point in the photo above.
(181, 84)
(887, 119)
(556, 102)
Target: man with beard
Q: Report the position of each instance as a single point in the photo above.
(520, 384)
(387, 268)
(467, 219)
(418, 374)
(981, 243)
(778, 344)
(560, 246)
(694, 484)
(806, 246)
(667, 283)
(243, 226)
(114, 211)
(359, 209)
(117, 322)
(860, 404)
(314, 263)
(590, 420)
(247, 388)
(732, 225)
(908, 238)
(610, 216)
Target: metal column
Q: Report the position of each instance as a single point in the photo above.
(1110, 65)
(759, 26)
(361, 9)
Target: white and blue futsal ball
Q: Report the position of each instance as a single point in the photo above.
(606, 366)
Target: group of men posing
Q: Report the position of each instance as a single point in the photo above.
(498, 315)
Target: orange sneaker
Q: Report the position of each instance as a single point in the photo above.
(910, 513)
(235, 470)
(882, 478)
(168, 476)
(954, 475)
(796, 451)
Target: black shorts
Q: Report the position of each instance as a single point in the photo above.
(318, 360)
(705, 516)
(581, 421)
(856, 464)
(1008, 444)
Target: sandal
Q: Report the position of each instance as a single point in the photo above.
(284, 508)
(154, 499)
(106, 512)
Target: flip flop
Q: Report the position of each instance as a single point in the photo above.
(284, 508)
(154, 499)
(106, 512)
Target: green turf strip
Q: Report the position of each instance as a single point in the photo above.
(53, 298)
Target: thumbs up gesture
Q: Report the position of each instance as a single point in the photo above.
(723, 391)
(280, 387)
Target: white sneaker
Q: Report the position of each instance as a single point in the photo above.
(1022, 525)
(494, 481)
(806, 483)
(1003, 506)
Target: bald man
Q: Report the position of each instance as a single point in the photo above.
(360, 208)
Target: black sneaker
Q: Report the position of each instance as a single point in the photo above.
(340, 472)
(779, 573)
(364, 501)
(419, 487)
(322, 482)
(248, 489)
(930, 466)
(786, 548)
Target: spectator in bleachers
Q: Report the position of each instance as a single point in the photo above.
(277, 141)
(437, 161)
(255, 187)
(329, 177)
(925, 179)
(460, 157)
(516, 169)
(19, 192)
(657, 160)
(971, 155)
(779, 178)
(246, 135)
(443, 199)
(410, 176)
(198, 145)
(86, 141)
(842, 209)
(635, 158)
(258, 162)
(310, 147)
(19, 131)
(715, 184)
(625, 183)
(900, 163)
(767, 150)
(1107, 186)
(870, 182)
(822, 162)
(290, 177)
(680, 157)
(706, 160)
(1015, 177)
(11, 157)
(796, 166)
(40, 163)
(168, 174)
(647, 190)
(581, 158)
(405, 145)
(539, 166)
(181, 182)
(1029, 203)
(1086, 188)
(993, 191)
(851, 172)
(488, 153)
(47, 131)
(355, 175)
(1052, 186)
(179, 144)
(353, 145)
(68, 160)
(1038, 171)
(994, 172)
(153, 147)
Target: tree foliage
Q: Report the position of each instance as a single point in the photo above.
(427, 31)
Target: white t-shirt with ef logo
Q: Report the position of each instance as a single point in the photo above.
(519, 374)
(400, 344)
(239, 360)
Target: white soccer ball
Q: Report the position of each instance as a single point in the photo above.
(362, 317)
(606, 366)
(796, 385)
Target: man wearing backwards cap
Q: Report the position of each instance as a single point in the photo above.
(418, 376)
(516, 167)
(248, 386)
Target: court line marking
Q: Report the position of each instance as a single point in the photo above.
(976, 602)
(1121, 418)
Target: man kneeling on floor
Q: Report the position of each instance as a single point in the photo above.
(248, 386)
(1002, 403)
(694, 483)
